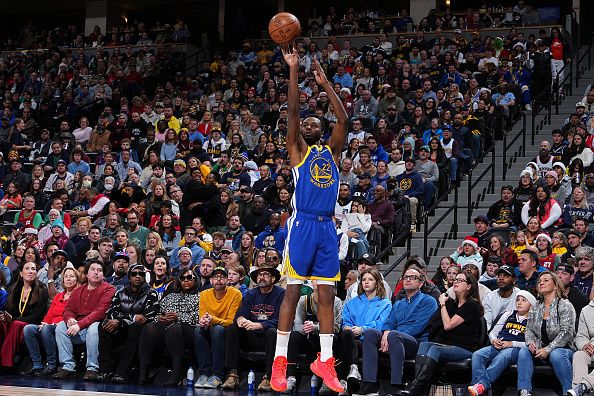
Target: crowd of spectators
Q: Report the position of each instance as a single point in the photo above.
(32, 37)
(147, 209)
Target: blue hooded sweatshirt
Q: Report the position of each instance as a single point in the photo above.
(365, 313)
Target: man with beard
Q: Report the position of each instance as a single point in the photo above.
(505, 213)
(217, 310)
(119, 279)
(51, 274)
(344, 201)
(578, 299)
(503, 298)
(204, 273)
(311, 249)
(137, 234)
(190, 236)
(257, 220)
(273, 235)
(255, 325)
(237, 177)
(131, 308)
(544, 159)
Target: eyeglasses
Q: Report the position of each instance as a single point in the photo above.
(219, 277)
(136, 273)
(274, 258)
(184, 278)
(410, 277)
(460, 280)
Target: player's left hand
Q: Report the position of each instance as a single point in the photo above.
(321, 78)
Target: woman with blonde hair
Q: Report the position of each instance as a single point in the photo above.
(153, 240)
(549, 334)
(46, 332)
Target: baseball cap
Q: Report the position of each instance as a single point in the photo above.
(506, 269)
(566, 268)
(580, 104)
(219, 270)
(121, 255)
(425, 148)
(368, 258)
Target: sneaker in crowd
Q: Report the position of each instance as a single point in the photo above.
(476, 390)
(367, 389)
(354, 373)
(201, 381)
(91, 375)
(63, 374)
(524, 392)
(232, 382)
(528, 107)
(580, 390)
(213, 382)
(264, 385)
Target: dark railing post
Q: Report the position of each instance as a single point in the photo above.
(456, 211)
(557, 96)
(533, 124)
(426, 240)
(523, 134)
(504, 157)
(493, 169)
(570, 80)
(469, 196)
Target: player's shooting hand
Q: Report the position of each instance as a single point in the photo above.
(321, 78)
(290, 55)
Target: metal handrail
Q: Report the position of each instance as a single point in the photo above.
(557, 85)
(507, 146)
(453, 207)
(472, 185)
(405, 255)
(579, 71)
(537, 108)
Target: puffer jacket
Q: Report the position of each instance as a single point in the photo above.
(126, 304)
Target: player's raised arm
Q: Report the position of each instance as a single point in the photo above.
(296, 146)
(339, 132)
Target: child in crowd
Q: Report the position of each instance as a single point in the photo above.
(518, 242)
(468, 250)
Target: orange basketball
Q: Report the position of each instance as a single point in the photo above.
(284, 28)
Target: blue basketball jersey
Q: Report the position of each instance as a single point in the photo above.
(316, 182)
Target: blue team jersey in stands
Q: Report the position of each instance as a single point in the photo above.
(316, 182)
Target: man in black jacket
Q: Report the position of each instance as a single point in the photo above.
(131, 308)
(505, 213)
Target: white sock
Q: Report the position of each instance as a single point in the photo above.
(325, 346)
(282, 343)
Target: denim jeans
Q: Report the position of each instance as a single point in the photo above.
(476, 146)
(443, 353)
(210, 350)
(401, 346)
(88, 336)
(453, 168)
(497, 361)
(428, 192)
(47, 335)
(560, 359)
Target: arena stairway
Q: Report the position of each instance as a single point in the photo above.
(443, 240)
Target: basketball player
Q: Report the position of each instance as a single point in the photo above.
(311, 248)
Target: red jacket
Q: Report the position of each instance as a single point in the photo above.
(56, 310)
(88, 306)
